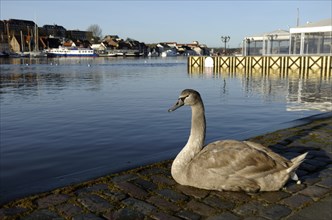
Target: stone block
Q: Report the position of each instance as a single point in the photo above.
(317, 153)
(42, 214)
(326, 182)
(310, 179)
(325, 173)
(273, 197)
(191, 191)
(297, 201)
(95, 203)
(252, 208)
(10, 212)
(125, 213)
(223, 216)
(308, 167)
(159, 179)
(52, 200)
(114, 195)
(315, 192)
(146, 185)
(69, 210)
(218, 203)
(132, 190)
(201, 208)
(275, 211)
(139, 205)
(88, 216)
(188, 215)
(163, 204)
(172, 195)
(318, 162)
(163, 216)
(235, 197)
(320, 210)
(254, 218)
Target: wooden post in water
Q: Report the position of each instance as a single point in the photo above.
(304, 66)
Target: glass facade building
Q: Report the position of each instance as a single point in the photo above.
(309, 39)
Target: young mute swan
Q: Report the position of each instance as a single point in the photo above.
(228, 164)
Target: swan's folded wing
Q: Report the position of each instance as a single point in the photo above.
(234, 158)
(267, 150)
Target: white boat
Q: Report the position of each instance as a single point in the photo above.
(106, 54)
(169, 53)
(120, 54)
(34, 54)
(71, 52)
(153, 54)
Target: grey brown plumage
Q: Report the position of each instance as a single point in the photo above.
(228, 164)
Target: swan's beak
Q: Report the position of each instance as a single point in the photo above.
(177, 105)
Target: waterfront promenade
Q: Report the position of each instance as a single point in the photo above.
(149, 192)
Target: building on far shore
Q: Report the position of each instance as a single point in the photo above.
(22, 37)
(79, 35)
(311, 38)
(275, 42)
(56, 31)
(18, 36)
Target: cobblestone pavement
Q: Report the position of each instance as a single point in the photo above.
(149, 192)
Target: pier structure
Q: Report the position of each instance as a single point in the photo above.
(304, 66)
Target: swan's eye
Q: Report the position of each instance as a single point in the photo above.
(183, 98)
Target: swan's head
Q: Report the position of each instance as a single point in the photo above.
(187, 97)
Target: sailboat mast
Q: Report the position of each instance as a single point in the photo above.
(8, 36)
(22, 42)
(29, 39)
(36, 37)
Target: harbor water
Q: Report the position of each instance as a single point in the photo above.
(66, 120)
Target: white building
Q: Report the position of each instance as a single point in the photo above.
(275, 42)
(311, 38)
(98, 47)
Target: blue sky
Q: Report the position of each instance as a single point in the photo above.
(181, 21)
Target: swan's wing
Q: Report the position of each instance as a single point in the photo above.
(267, 150)
(234, 158)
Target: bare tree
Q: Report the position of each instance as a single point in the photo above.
(96, 31)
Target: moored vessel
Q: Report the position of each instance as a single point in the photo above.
(71, 52)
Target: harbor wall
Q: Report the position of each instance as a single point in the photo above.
(302, 65)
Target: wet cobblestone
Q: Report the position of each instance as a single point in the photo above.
(149, 192)
(297, 201)
(51, 200)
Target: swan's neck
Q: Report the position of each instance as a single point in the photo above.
(197, 131)
(195, 142)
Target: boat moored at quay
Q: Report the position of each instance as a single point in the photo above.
(71, 52)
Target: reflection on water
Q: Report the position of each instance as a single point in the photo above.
(67, 120)
(311, 93)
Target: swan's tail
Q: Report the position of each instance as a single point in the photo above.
(296, 163)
